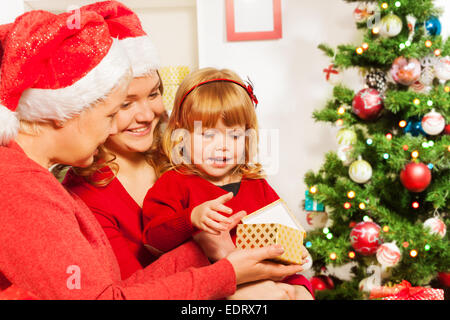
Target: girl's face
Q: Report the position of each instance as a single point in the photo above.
(138, 117)
(216, 151)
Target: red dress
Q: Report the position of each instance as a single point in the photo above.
(118, 214)
(168, 205)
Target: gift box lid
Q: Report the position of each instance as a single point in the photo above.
(275, 212)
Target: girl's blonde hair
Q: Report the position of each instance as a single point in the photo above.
(208, 103)
(154, 155)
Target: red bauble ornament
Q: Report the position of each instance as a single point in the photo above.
(320, 283)
(317, 284)
(415, 177)
(447, 129)
(367, 104)
(365, 238)
(444, 278)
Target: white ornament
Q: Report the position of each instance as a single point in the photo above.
(428, 73)
(425, 83)
(360, 171)
(411, 20)
(364, 11)
(442, 69)
(307, 263)
(317, 219)
(433, 123)
(372, 282)
(436, 226)
(346, 136)
(390, 26)
(343, 272)
(388, 254)
(419, 87)
(343, 153)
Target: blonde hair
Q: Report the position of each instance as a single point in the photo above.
(104, 158)
(209, 103)
(30, 127)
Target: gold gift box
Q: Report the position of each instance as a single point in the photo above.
(262, 229)
(259, 235)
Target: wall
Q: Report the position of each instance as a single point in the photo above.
(10, 10)
(288, 78)
(172, 24)
(174, 32)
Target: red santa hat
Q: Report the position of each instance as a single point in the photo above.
(125, 25)
(52, 70)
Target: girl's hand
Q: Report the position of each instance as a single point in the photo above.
(206, 216)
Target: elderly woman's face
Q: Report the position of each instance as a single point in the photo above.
(138, 117)
(85, 133)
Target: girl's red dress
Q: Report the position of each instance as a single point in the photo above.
(168, 205)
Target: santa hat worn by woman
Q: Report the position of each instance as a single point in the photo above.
(125, 25)
(51, 70)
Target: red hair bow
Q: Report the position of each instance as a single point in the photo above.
(249, 89)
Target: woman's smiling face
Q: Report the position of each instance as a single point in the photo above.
(138, 117)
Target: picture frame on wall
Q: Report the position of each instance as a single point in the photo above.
(253, 20)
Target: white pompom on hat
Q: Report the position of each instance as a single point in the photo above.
(125, 25)
(51, 70)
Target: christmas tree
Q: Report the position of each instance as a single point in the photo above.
(385, 190)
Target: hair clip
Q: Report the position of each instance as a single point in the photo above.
(249, 89)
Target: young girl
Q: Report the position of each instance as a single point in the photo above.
(211, 141)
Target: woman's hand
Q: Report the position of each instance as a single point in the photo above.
(250, 265)
(206, 216)
(264, 290)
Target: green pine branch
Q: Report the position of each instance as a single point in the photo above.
(387, 202)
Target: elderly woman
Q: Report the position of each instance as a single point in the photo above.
(60, 90)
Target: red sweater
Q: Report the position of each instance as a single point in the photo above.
(118, 214)
(168, 205)
(45, 232)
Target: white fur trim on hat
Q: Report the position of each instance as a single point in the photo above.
(142, 53)
(65, 103)
(9, 125)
